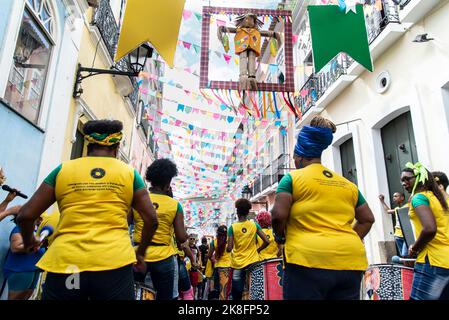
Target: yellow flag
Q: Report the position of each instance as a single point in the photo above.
(157, 22)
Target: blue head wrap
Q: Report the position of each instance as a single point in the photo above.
(312, 141)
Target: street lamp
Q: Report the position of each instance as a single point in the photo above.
(136, 61)
(247, 194)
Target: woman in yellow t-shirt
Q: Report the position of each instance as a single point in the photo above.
(429, 212)
(91, 249)
(222, 263)
(273, 250)
(314, 214)
(162, 263)
(242, 242)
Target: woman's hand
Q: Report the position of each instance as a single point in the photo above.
(140, 265)
(31, 245)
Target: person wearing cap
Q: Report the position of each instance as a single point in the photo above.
(322, 218)
(91, 257)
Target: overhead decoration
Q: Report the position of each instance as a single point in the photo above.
(334, 31)
(247, 42)
(248, 38)
(157, 22)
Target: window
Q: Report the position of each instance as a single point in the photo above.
(31, 58)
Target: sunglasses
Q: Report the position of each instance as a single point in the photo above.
(403, 179)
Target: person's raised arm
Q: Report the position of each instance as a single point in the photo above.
(41, 200)
(9, 212)
(384, 205)
(10, 197)
(142, 204)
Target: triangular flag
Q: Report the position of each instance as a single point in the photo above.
(196, 48)
(154, 22)
(198, 16)
(295, 38)
(187, 45)
(221, 23)
(334, 32)
(187, 14)
(227, 58)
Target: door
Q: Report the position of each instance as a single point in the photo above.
(348, 167)
(399, 146)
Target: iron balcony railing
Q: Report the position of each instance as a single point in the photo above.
(104, 20)
(307, 95)
(272, 174)
(331, 73)
(379, 20)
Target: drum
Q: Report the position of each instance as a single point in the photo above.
(143, 292)
(224, 282)
(387, 282)
(265, 280)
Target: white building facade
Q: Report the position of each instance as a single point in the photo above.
(397, 114)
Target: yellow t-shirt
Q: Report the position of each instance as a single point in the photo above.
(225, 260)
(319, 230)
(247, 38)
(245, 247)
(397, 227)
(270, 252)
(437, 249)
(209, 269)
(49, 220)
(166, 209)
(94, 195)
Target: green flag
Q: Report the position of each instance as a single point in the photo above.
(334, 31)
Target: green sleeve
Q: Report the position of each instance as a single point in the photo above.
(138, 182)
(212, 244)
(420, 200)
(180, 208)
(258, 226)
(360, 200)
(286, 184)
(51, 178)
(230, 231)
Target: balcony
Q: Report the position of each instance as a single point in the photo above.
(104, 20)
(384, 29)
(271, 175)
(413, 11)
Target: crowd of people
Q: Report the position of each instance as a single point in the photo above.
(315, 231)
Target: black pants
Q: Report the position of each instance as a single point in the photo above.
(117, 284)
(301, 283)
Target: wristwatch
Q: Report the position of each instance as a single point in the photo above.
(279, 239)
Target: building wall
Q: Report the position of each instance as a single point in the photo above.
(28, 150)
(100, 93)
(418, 75)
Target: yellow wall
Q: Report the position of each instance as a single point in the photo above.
(100, 94)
